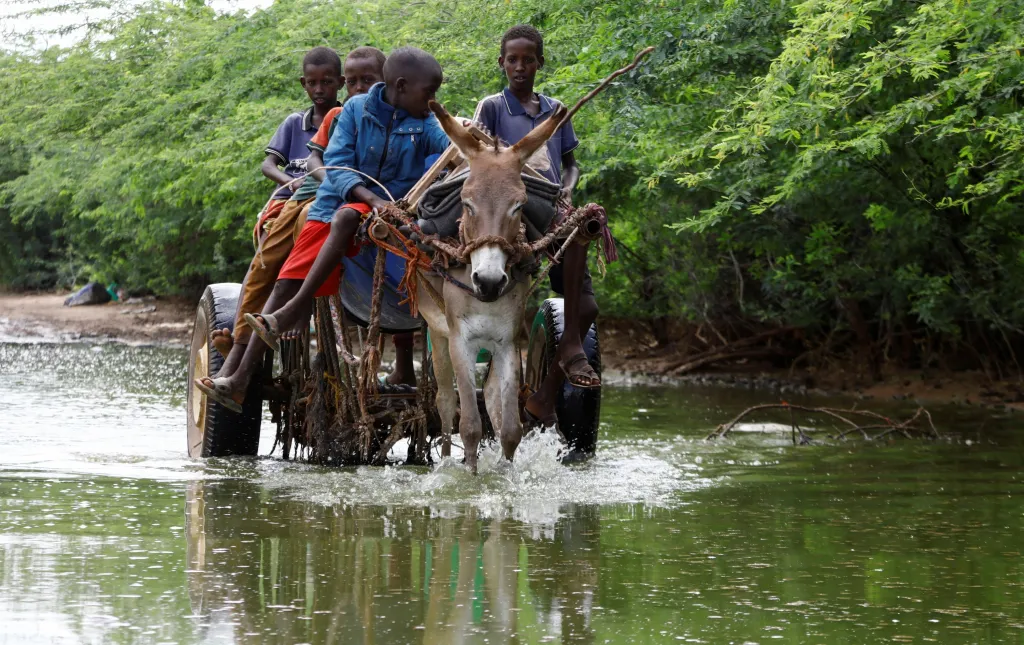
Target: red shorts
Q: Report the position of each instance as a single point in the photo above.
(307, 248)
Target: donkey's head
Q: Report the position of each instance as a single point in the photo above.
(493, 197)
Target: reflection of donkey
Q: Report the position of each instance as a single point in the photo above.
(490, 317)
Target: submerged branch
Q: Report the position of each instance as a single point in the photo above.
(920, 424)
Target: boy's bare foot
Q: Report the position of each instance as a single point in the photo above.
(222, 341)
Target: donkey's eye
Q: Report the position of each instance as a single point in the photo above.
(469, 206)
(515, 209)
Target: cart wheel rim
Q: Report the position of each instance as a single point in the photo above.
(200, 370)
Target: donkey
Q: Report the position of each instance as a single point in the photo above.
(490, 317)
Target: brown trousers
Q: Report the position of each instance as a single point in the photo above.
(279, 235)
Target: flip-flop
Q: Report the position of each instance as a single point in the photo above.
(266, 330)
(220, 393)
(576, 367)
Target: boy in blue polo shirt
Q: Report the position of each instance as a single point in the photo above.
(509, 116)
(386, 134)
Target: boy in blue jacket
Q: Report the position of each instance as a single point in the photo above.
(386, 134)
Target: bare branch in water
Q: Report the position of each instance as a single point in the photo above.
(920, 424)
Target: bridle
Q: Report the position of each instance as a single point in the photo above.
(518, 252)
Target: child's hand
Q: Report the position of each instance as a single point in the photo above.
(379, 204)
(566, 194)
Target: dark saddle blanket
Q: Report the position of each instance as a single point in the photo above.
(441, 206)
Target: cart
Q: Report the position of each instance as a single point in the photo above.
(312, 389)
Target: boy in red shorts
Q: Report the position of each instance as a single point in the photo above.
(364, 67)
(387, 135)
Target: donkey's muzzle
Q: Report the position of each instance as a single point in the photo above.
(489, 287)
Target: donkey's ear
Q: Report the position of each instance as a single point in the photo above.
(539, 136)
(467, 144)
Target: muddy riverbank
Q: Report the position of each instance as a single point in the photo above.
(630, 350)
(629, 353)
(139, 321)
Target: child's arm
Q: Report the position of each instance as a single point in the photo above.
(272, 172)
(277, 152)
(315, 164)
(319, 143)
(570, 169)
(570, 175)
(368, 197)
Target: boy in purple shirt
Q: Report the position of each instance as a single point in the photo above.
(509, 116)
(287, 152)
(321, 78)
(284, 217)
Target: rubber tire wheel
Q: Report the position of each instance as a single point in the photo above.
(578, 409)
(214, 431)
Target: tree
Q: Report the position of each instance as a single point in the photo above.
(844, 166)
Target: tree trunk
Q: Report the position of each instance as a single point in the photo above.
(863, 334)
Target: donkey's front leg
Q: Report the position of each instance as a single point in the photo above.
(464, 362)
(505, 367)
(447, 403)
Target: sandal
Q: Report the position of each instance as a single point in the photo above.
(266, 329)
(579, 372)
(220, 393)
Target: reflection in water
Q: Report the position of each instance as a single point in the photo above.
(883, 552)
(367, 574)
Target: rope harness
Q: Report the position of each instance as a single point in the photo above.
(446, 252)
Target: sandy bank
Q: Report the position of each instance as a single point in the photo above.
(627, 353)
(159, 321)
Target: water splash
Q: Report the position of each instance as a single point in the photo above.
(531, 489)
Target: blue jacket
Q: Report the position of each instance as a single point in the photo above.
(387, 144)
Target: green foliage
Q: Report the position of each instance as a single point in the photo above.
(769, 161)
(878, 157)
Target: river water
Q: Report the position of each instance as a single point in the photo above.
(110, 534)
